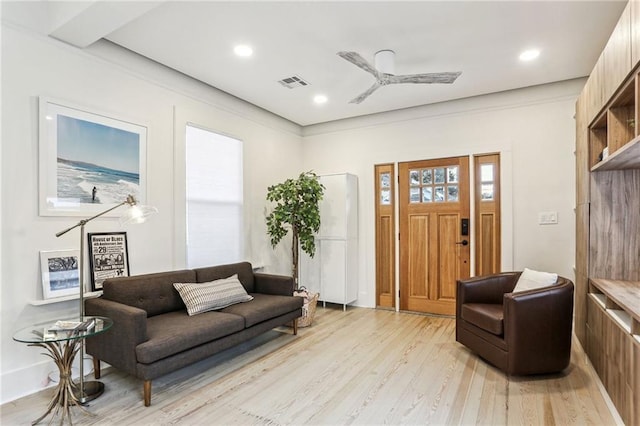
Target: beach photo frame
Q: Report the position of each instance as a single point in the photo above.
(60, 273)
(88, 161)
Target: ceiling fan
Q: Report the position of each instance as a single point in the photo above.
(384, 72)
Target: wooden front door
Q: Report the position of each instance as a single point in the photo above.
(434, 240)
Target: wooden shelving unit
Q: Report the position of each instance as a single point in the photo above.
(614, 128)
(627, 157)
(607, 295)
(620, 300)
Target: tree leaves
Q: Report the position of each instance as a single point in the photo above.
(297, 207)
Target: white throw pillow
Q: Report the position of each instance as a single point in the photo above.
(209, 296)
(531, 280)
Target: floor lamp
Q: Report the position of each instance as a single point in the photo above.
(134, 214)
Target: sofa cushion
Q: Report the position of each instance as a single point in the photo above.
(176, 332)
(218, 294)
(243, 269)
(489, 317)
(153, 293)
(531, 280)
(264, 307)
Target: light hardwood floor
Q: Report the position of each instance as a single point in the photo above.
(362, 366)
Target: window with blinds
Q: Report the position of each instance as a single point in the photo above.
(214, 198)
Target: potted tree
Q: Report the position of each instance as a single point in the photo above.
(297, 208)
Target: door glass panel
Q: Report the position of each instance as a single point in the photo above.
(427, 194)
(452, 193)
(414, 177)
(487, 191)
(486, 173)
(452, 174)
(433, 184)
(427, 177)
(385, 197)
(385, 180)
(414, 195)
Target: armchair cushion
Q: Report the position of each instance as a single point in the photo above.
(489, 317)
(531, 280)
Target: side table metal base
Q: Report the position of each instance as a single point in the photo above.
(92, 390)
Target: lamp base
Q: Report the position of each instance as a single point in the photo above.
(92, 390)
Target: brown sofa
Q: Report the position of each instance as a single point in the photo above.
(152, 334)
(520, 333)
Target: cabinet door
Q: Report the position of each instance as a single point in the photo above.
(338, 208)
(310, 270)
(635, 32)
(333, 269)
(617, 54)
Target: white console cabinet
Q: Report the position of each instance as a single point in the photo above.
(333, 271)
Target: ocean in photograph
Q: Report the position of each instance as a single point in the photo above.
(77, 180)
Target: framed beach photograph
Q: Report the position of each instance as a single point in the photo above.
(88, 161)
(60, 273)
(108, 257)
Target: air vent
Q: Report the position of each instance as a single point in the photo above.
(293, 82)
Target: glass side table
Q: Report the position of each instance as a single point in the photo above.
(62, 347)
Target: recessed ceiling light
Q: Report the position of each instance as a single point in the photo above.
(243, 50)
(320, 99)
(529, 55)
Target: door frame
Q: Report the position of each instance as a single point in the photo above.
(506, 213)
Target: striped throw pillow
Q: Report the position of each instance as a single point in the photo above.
(209, 296)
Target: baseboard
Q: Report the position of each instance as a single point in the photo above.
(28, 380)
(25, 381)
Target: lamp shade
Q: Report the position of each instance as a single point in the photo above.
(137, 213)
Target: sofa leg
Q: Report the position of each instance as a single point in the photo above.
(295, 327)
(147, 393)
(96, 367)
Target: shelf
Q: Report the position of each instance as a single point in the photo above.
(64, 298)
(600, 298)
(627, 157)
(622, 318)
(623, 295)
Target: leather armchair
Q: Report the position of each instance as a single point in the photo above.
(524, 333)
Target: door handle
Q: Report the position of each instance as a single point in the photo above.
(463, 242)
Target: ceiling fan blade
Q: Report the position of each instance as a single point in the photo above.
(360, 62)
(366, 94)
(430, 78)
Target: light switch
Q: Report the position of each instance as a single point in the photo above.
(548, 218)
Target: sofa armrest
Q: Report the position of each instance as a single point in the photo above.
(539, 321)
(273, 284)
(117, 346)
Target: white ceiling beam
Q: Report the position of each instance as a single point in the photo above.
(83, 23)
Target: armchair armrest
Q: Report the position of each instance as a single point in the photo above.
(273, 284)
(117, 346)
(539, 322)
(486, 289)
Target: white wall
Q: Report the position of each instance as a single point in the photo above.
(115, 82)
(532, 128)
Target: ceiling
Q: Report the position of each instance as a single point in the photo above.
(481, 39)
